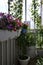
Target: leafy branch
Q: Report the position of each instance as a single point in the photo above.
(16, 9)
(34, 12)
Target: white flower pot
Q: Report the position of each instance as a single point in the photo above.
(31, 51)
(40, 52)
(5, 34)
(24, 62)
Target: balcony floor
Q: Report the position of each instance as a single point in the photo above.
(32, 61)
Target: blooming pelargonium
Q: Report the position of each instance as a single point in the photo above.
(1, 14)
(10, 18)
(18, 23)
(7, 21)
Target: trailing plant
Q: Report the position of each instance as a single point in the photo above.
(16, 9)
(35, 15)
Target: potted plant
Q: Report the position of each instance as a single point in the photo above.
(40, 43)
(22, 42)
(31, 46)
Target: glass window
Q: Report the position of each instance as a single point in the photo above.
(27, 12)
(4, 6)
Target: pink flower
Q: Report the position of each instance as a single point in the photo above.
(1, 14)
(10, 26)
(7, 21)
(9, 18)
(18, 22)
(14, 29)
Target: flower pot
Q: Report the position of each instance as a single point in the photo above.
(18, 32)
(31, 51)
(40, 51)
(25, 61)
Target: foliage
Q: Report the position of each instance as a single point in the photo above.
(40, 40)
(39, 61)
(37, 21)
(41, 31)
(25, 39)
(25, 26)
(8, 22)
(35, 15)
(22, 40)
(31, 39)
(16, 9)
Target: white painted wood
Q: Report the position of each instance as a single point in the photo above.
(0, 53)
(12, 51)
(8, 52)
(5, 34)
(42, 14)
(4, 53)
(7, 46)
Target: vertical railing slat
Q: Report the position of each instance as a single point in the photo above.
(8, 52)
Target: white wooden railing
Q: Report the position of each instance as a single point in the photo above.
(7, 46)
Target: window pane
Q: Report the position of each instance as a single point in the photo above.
(4, 6)
(27, 14)
(23, 17)
(42, 13)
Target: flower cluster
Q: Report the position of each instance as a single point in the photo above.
(8, 22)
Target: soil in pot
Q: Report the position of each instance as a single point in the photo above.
(23, 57)
(24, 60)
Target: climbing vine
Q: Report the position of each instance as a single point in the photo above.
(16, 9)
(35, 15)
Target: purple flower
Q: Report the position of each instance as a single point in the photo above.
(1, 15)
(10, 18)
(10, 27)
(7, 21)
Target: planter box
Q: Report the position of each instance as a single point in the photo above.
(5, 34)
(7, 46)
